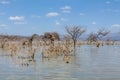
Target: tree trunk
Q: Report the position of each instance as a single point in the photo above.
(74, 46)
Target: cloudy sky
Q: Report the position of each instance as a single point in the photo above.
(26, 17)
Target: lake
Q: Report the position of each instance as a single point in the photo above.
(90, 63)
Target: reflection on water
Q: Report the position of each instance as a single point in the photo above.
(90, 63)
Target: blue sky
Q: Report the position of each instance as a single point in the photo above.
(26, 17)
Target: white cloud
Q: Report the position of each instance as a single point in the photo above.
(108, 2)
(5, 2)
(111, 10)
(3, 25)
(52, 14)
(63, 19)
(94, 23)
(57, 23)
(66, 9)
(17, 18)
(82, 14)
(35, 16)
(20, 22)
(115, 26)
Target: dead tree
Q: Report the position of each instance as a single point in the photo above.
(95, 37)
(75, 32)
(101, 33)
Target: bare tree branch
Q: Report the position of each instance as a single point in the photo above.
(75, 32)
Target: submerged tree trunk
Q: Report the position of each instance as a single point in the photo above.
(31, 49)
(74, 43)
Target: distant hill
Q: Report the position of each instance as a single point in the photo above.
(111, 36)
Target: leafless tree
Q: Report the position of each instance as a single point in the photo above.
(75, 32)
(101, 33)
(94, 37)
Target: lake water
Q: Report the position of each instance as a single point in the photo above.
(90, 63)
